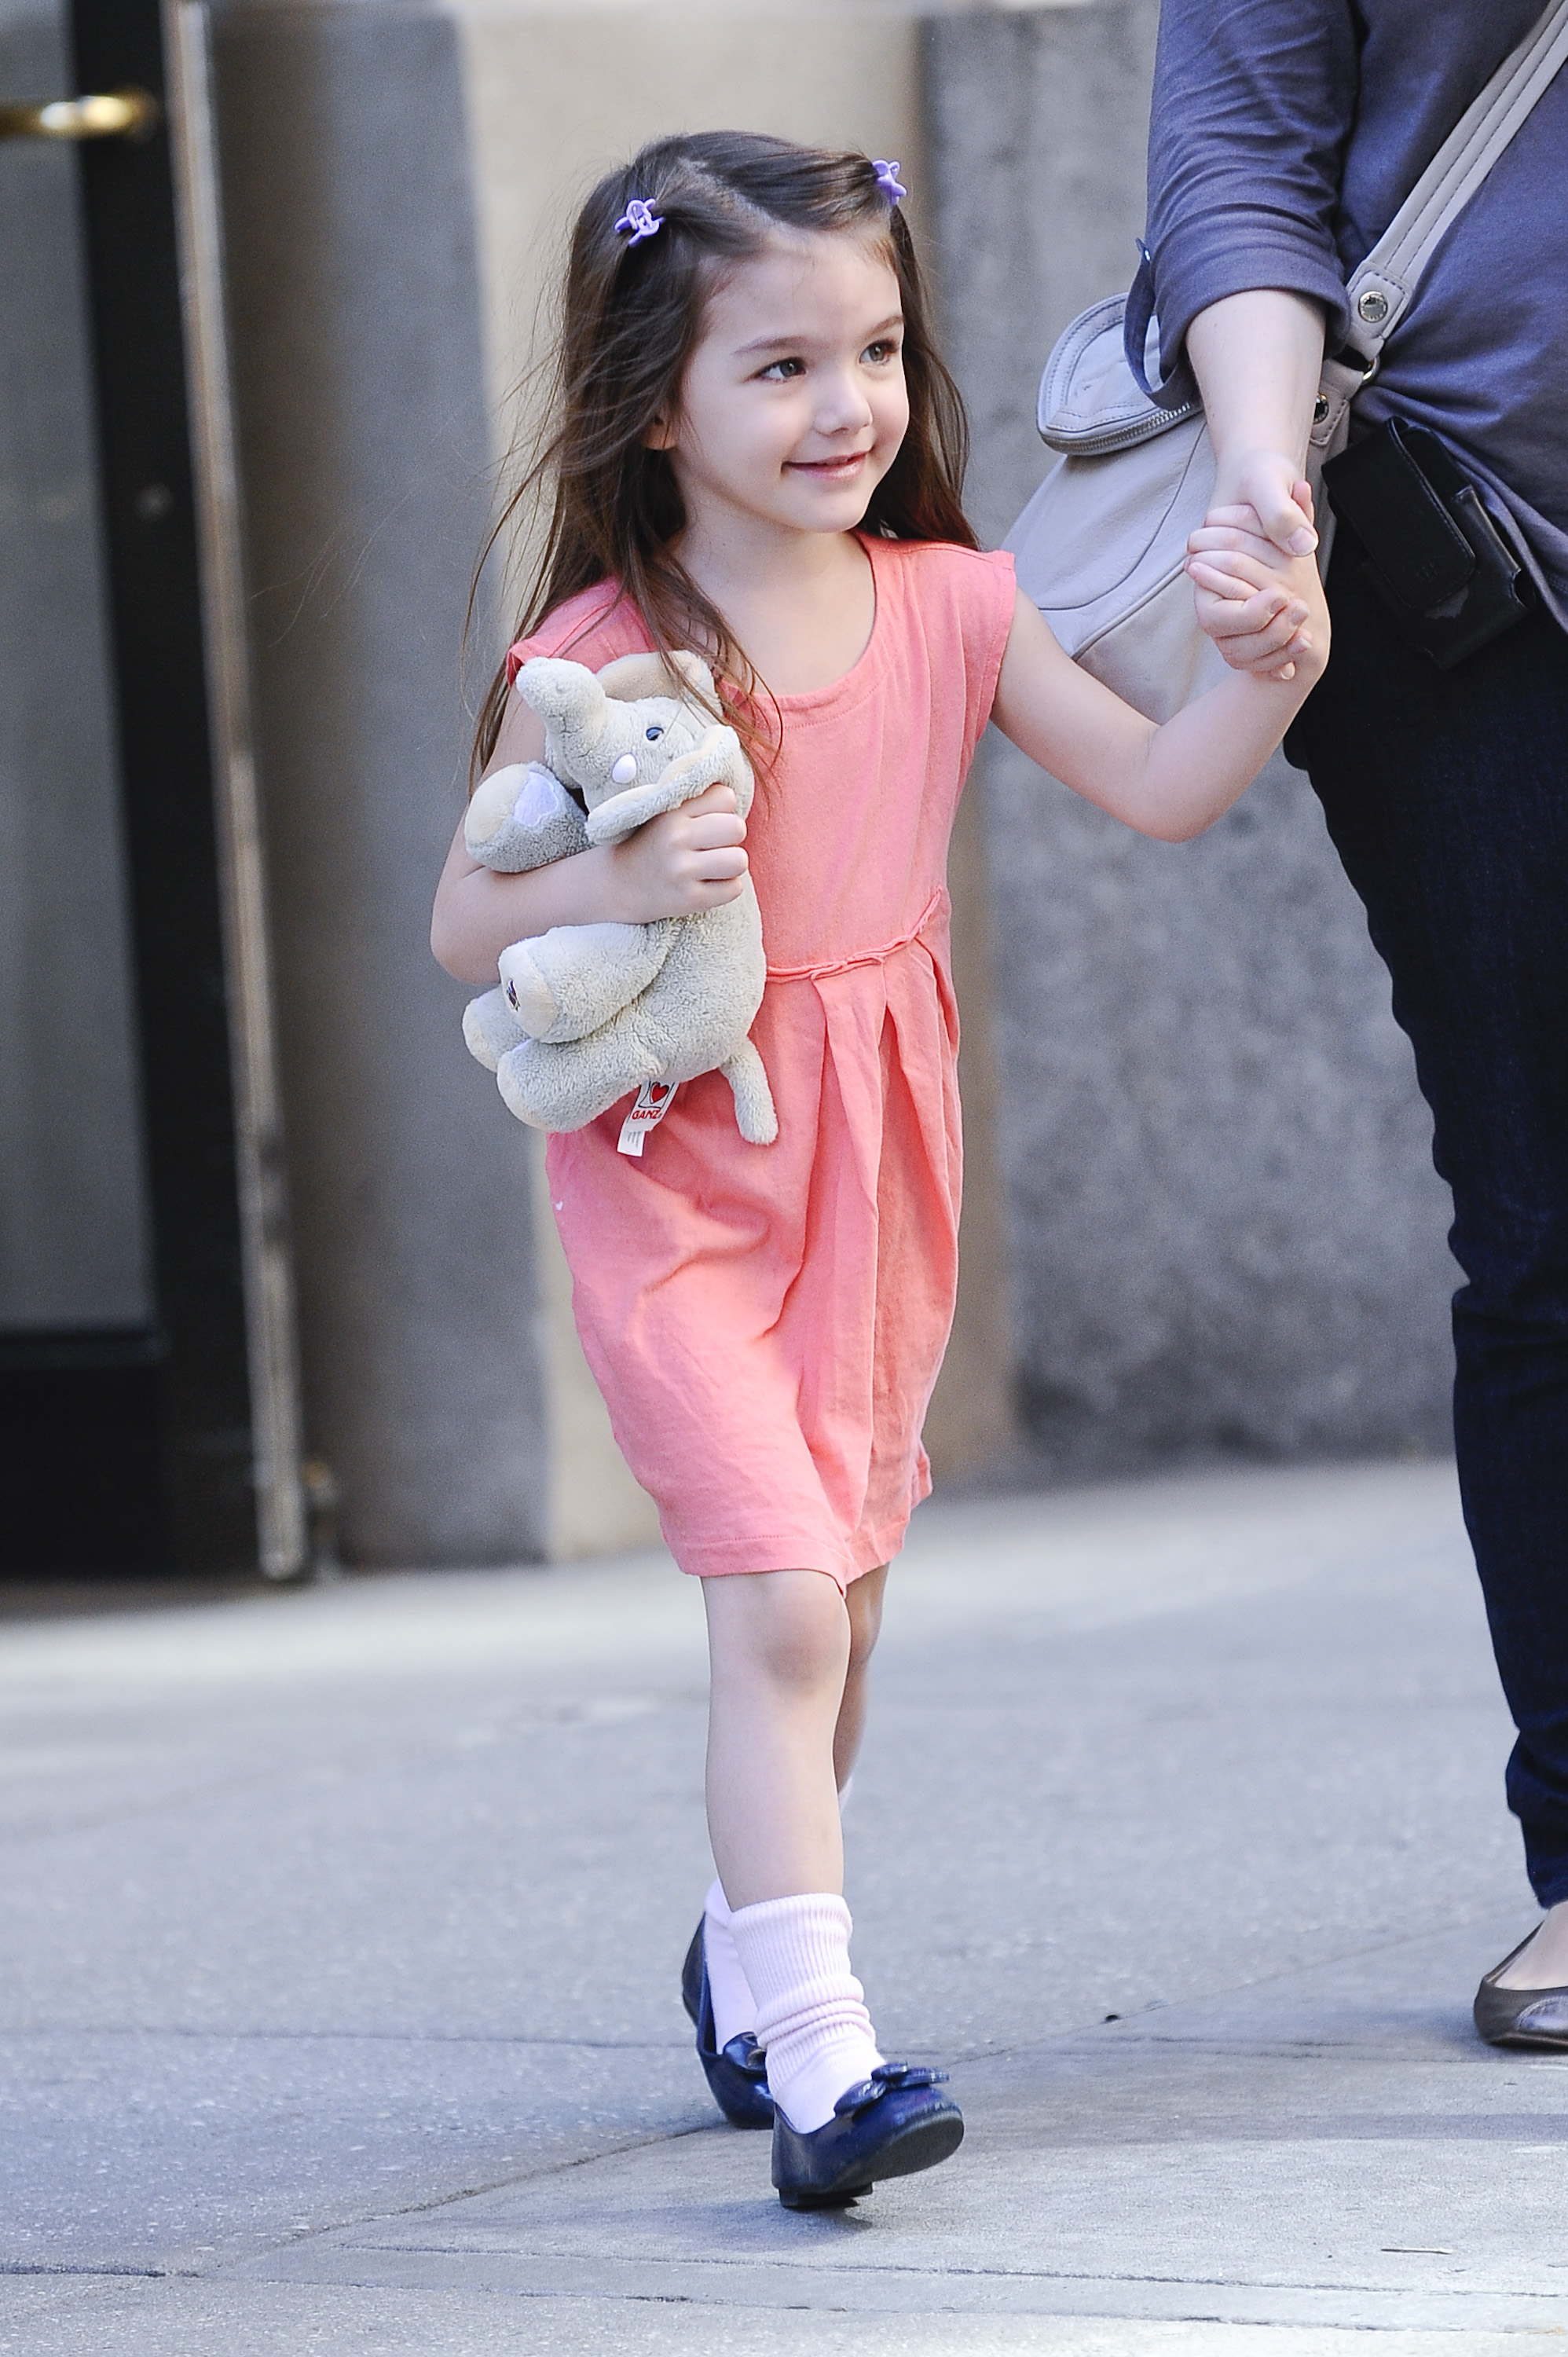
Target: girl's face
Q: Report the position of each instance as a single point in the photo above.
(793, 404)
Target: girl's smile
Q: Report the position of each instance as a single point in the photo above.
(838, 470)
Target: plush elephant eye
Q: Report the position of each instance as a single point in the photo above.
(654, 735)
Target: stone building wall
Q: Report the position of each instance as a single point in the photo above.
(365, 445)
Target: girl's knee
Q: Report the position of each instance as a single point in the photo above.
(788, 1627)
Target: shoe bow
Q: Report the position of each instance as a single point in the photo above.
(747, 2055)
(888, 2079)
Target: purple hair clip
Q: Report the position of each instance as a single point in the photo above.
(887, 178)
(638, 222)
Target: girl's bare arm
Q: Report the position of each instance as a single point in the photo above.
(1170, 782)
(692, 858)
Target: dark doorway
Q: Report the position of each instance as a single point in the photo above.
(125, 1408)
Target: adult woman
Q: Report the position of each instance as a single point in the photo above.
(1285, 134)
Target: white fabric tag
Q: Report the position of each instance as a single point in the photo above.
(651, 1103)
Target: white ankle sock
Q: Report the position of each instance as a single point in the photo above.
(810, 2011)
(734, 2008)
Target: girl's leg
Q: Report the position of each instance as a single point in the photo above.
(778, 1643)
(780, 1648)
(734, 2008)
(864, 1603)
(786, 1648)
(781, 1644)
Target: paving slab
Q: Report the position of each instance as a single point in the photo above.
(195, 2320)
(337, 1963)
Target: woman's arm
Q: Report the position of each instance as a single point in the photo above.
(1252, 107)
(689, 859)
(1246, 151)
(1253, 103)
(1170, 782)
(1257, 358)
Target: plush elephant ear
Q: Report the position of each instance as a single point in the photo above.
(695, 673)
(523, 817)
(631, 678)
(491, 806)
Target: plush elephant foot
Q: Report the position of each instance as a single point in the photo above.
(571, 981)
(549, 1087)
(490, 1028)
(511, 1079)
(527, 994)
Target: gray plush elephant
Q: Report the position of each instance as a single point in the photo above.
(586, 1014)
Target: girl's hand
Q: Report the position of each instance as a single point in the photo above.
(682, 862)
(1257, 605)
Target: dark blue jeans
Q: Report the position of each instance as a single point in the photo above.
(1446, 795)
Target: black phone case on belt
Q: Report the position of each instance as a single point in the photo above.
(1435, 556)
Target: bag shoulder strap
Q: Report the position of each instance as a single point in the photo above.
(1380, 290)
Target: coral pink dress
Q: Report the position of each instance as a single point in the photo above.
(766, 1322)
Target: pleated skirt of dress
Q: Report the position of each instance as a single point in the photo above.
(766, 1323)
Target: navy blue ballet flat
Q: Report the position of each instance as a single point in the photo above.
(736, 2073)
(893, 2125)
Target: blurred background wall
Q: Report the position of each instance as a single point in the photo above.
(1201, 1214)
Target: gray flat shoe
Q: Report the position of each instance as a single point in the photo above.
(1521, 2017)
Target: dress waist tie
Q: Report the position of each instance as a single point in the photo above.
(863, 957)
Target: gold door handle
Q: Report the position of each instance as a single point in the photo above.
(114, 114)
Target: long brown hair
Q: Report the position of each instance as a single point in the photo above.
(631, 316)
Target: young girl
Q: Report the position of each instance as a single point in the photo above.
(757, 453)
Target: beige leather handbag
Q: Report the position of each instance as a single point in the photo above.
(1101, 546)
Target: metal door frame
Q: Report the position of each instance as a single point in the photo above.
(222, 1360)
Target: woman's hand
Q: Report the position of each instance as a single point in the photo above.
(1258, 357)
(1279, 495)
(682, 862)
(1258, 605)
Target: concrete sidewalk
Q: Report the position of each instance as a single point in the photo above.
(340, 1936)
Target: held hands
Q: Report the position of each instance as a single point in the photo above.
(1272, 486)
(1262, 603)
(682, 862)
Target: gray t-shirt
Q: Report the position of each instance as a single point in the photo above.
(1286, 136)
